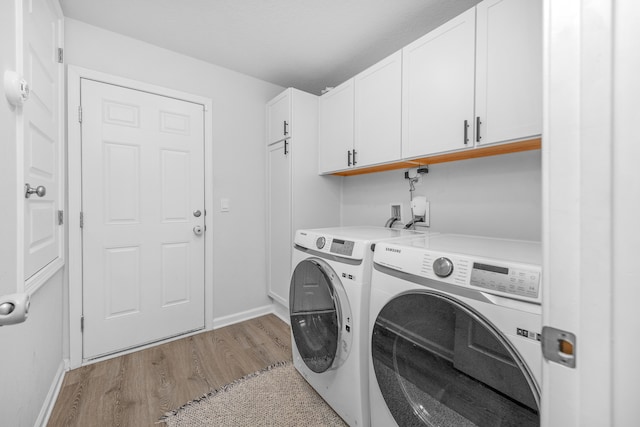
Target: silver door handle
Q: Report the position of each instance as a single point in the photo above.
(198, 230)
(39, 191)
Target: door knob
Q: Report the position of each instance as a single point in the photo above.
(198, 230)
(39, 191)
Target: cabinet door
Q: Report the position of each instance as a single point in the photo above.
(279, 236)
(378, 104)
(438, 89)
(279, 117)
(509, 70)
(336, 128)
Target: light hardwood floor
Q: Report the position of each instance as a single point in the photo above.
(137, 389)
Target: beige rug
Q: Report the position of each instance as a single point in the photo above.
(275, 396)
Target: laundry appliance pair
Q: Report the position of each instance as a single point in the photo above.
(428, 329)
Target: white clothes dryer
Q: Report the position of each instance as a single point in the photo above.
(328, 305)
(454, 330)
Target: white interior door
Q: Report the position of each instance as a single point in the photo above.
(142, 188)
(41, 124)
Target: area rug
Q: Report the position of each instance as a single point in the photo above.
(274, 396)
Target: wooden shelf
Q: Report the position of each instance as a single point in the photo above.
(494, 150)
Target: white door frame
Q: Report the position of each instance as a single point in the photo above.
(74, 74)
(591, 205)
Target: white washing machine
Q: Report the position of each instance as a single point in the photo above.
(454, 331)
(328, 305)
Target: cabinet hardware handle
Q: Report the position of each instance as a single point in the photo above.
(354, 157)
(286, 131)
(286, 143)
(349, 158)
(478, 123)
(466, 132)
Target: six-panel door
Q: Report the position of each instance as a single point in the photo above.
(143, 209)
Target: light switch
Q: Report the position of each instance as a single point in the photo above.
(224, 205)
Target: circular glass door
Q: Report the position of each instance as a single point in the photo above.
(315, 314)
(438, 363)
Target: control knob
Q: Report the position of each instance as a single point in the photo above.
(443, 267)
(320, 242)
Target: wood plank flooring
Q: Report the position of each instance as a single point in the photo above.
(138, 388)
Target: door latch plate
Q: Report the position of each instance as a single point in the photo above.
(559, 346)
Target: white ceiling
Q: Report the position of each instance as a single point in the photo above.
(307, 44)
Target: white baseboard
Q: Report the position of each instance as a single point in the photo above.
(52, 396)
(242, 316)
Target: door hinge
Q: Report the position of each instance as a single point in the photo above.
(60, 55)
(79, 113)
(81, 323)
(60, 217)
(81, 220)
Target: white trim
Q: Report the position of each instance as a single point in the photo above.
(19, 17)
(282, 312)
(231, 319)
(52, 396)
(74, 74)
(578, 252)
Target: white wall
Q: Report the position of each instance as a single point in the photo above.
(239, 266)
(497, 196)
(31, 352)
(31, 361)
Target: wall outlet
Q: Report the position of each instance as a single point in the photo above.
(396, 210)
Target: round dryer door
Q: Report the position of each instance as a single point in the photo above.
(316, 317)
(439, 363)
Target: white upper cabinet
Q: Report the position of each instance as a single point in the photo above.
(279, 118)
(336, 129)
(508, 70)
(438, 89)
(378, 102)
